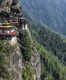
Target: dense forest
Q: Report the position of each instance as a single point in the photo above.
(52, 68)
(52, 48)
(52, 41)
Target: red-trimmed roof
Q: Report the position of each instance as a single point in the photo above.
(13, 22)
(10, 33)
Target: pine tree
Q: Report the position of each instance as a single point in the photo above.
(26, 43)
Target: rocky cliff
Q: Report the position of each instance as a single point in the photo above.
(36, 64)
(15, 63)
(15, 55)
(10, 6)
(5, 5)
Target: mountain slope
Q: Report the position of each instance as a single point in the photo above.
(49, 12)
(52, 48)
(52, 41)
(51, 66)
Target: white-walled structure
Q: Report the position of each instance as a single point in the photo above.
(24, 23)
(24, 26)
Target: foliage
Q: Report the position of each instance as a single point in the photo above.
(4, 60)
(52, 50)
(26, 43)
(28, 72)
(52, 68)
(51, 41)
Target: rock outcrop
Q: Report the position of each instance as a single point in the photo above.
(15, 63)
(5, 5)
(16, 8)
(36, 64)
(11, 6)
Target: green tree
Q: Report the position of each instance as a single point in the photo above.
(51, 66)
(26, 43)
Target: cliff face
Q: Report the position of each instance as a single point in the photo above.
(16, 8)
(15, 63)
(36, 64)
(5, 5)
(13, 8)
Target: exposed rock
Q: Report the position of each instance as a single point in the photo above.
(15, 66)
(36, 64)
(11, 6)
(16, 8)
(5, 5)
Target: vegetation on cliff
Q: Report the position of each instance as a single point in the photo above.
(4, 50)
(52, 41)
(26, 48)
(52, 65)
(28, 72)
(52, 48)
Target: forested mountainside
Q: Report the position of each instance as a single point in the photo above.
(49, 12)
(52, 41)
(51, 47)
